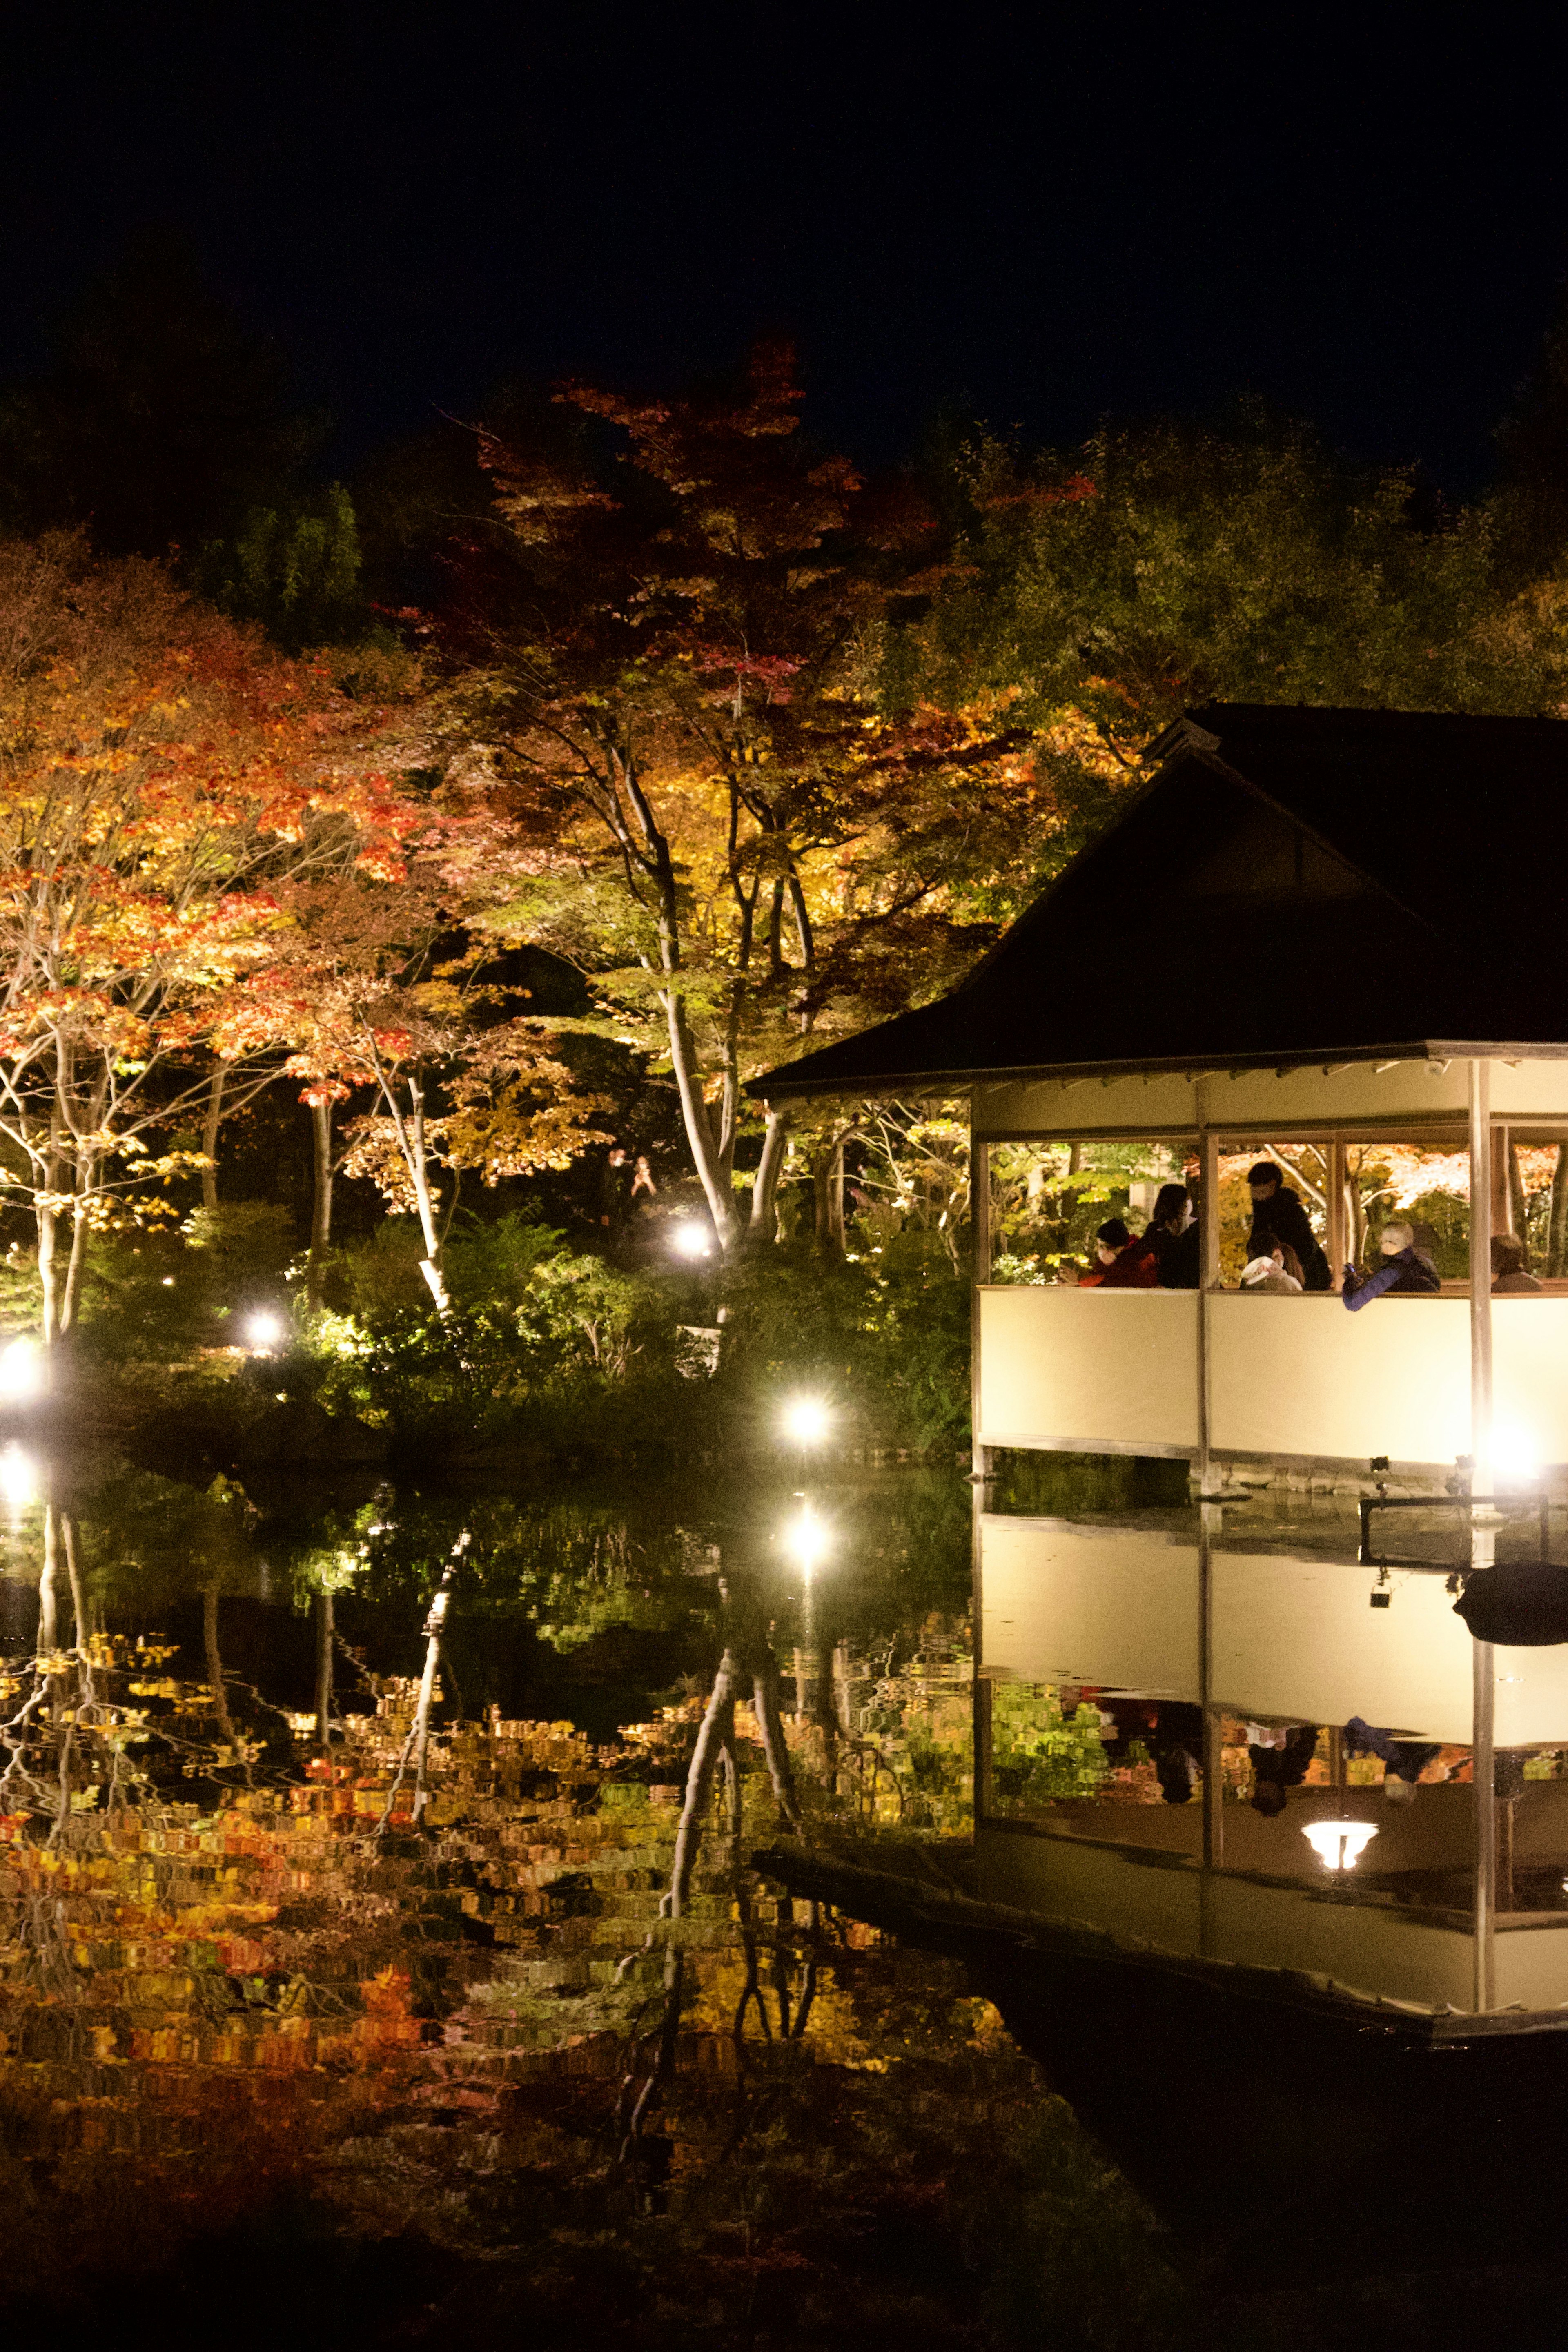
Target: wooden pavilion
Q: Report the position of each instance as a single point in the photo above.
(1310, 926)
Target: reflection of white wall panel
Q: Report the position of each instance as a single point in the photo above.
(1304, 1376)
(1296, 1637)
(1089, 1367)
(1529, 1374)
(1060, 1878)
(1362, 1947)
(1116, 1607)
(1532, 1704)
(1531, 1966)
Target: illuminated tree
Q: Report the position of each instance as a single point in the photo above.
(162, 770)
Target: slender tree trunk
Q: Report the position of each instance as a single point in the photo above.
(1557, 1224)
(720, 1192)
(48, 1274)
(425, 1200)
(827, 1188)
(716, 1731)
(215, 1675)
(321, 1202)
(1517, 1202)
(48, 1586)
(765, 1218)
(210, 1125)
(323, 1668)
(70, 1288)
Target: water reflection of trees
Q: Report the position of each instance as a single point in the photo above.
(530, 1996)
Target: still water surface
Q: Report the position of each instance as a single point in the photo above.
(303, 2013)
(296, 2003)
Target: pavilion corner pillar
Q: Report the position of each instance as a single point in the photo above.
(1482, 1540)
(980, 1244)
(1208, 1283)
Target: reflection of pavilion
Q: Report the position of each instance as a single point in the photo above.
(1278, 944)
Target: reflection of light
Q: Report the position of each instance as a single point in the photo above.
(18, 1478)
(809, 1539)
(263, 1330)
(1514, 1453)
(806, 1420)
(688, 1240)
(1338, 1844)
(21, 1369)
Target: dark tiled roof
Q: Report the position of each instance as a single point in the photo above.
(1293, 885)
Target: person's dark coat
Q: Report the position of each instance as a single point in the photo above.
(1178, 1257)
(1409, 1274)
(1282, 1219)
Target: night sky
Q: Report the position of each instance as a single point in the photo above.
(1042, 216)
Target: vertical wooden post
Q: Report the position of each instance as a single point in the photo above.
(1338, 1253)
(980, 1240)
(1208, 1281)
(1481, 1276)
(980, 1246)
(1483, 1686)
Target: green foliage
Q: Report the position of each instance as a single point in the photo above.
(294, 568)
(885, 1336)
(1039, 1752)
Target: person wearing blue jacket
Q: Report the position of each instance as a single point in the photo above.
(1406, 1271)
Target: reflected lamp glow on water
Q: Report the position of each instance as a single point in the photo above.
(809, 1539)
(1339, 1844)
(18, 1478)
(21, 1370)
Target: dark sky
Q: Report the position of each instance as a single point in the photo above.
(1045, 215)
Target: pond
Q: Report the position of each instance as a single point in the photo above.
(429, 2020)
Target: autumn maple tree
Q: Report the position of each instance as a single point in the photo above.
(163, 770)
(677, 687)
(386, 992)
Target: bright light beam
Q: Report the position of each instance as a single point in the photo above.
(688, 1240)
(264, 1329)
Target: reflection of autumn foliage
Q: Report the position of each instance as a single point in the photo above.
(211, 2002)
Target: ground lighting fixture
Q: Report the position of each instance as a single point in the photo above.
(688, 1239)
(1339, 1844)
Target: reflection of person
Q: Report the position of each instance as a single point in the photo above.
(1404, 1760)
(1406, 1271)
(1177, 1747)
(1278, 1216)
(1173, 1231)
(1509, 1272)
(1279, 1757)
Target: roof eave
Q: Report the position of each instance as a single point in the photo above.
(873, 1085)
